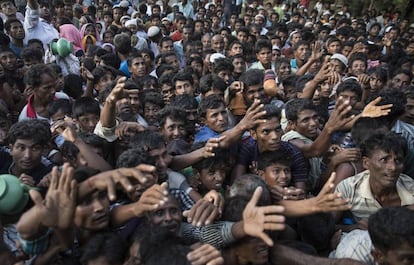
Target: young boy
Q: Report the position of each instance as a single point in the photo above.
(86, 113)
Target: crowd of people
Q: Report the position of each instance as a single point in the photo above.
(205, 132)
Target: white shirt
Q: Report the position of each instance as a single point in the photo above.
(38, 28)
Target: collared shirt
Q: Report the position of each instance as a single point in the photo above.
(358, 191)
(188, 9)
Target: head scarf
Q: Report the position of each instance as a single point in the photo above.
(72, 34)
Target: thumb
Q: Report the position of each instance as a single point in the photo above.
(36, 197)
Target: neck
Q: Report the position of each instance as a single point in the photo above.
(16, 171)
(379, 191)
(18, 43)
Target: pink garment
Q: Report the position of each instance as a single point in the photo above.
(72, 34)
(82, 32)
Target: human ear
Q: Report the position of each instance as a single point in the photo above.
(365, 162)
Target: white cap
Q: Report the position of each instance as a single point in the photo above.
(341, 58)
(153, 31)
(216, 56)
(131, 22)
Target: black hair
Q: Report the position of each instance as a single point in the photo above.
(92, 139)
(252, 77)
(61, 104)
(261, 44)
(222, 64)
(294, 106)
(72, 86)
(150, 96)
(391, 227)
(269, 158)
(32, 54)
(111, 59)
(85, 105)
(184, 101)
(172, 112)
(133, 157)
(302, 80)
(33, 129)
(211, 81)
(147, 140)
(8, 23)
(122, 43)
(210, 102)
(33, 74)
(183, 76)
(388, 142)
(350, 85)
(109, 245)
(358, 56)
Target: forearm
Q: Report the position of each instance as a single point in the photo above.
(94, 160)
(89, 89)
(30, 225)
(298, 208)
(309, 89)
(123, 213)
(108, 118)
(302, 71)
(180, 162)
(233, 135)
(319, 146)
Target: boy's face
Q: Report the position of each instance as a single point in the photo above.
(26, 154)
(225, 75)
(325, 89)
(150, 112)
(307, 123)
(138, 67)
(87, 122)
(217, 119)
(173, 129)
(349, 96)
(183, 87)
(268, 135)
(290, 93)
(264, 56)
(212, 178)
(8, 60)
(93, 212)
(277, 174)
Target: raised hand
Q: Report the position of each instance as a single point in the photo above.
(58, 207)
(216, 199)
(27, 180)
(151, 199)
(339, 117)
(126, 128)
(258, 219)
(202, 213)
(211, 146)
(117, 91)
(204, 254)
(108, 180)
(328, 200)
(253, 116)
(372, 110)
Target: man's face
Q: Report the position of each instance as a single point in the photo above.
(254, 92)
(117, 14)
(237, 48)
(26, 154)
(264, 56)
(358, 67)
(239, 65)
(403, 255)
(173, 61)
(167, 46)
(325, 89)
(334, 47)
(277, 174)
(408, 115)
(133, 97)
(8, 8)
(301, 52)
(307, 123)
(138, 67)
(384, 168)
(8, 60)
(217, 43)
(268, 135)
(284, 70)
(253, 250)
(46, 90)
(167, 215)
(167, 92)
(349, 96)
(173, 129)
(198, 27)
(17, 31)
(399, 80)
(162, 161)
(217, 119)
(225, 75)
(93, 212)
(242, 36)
(87, 122)
(179, 25)
(183, 87)
(206, 41)
(212, 178)
(151, 112)
(337, 66)
(187, 32)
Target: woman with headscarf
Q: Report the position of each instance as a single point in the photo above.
(90, 29)
(72, 34)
